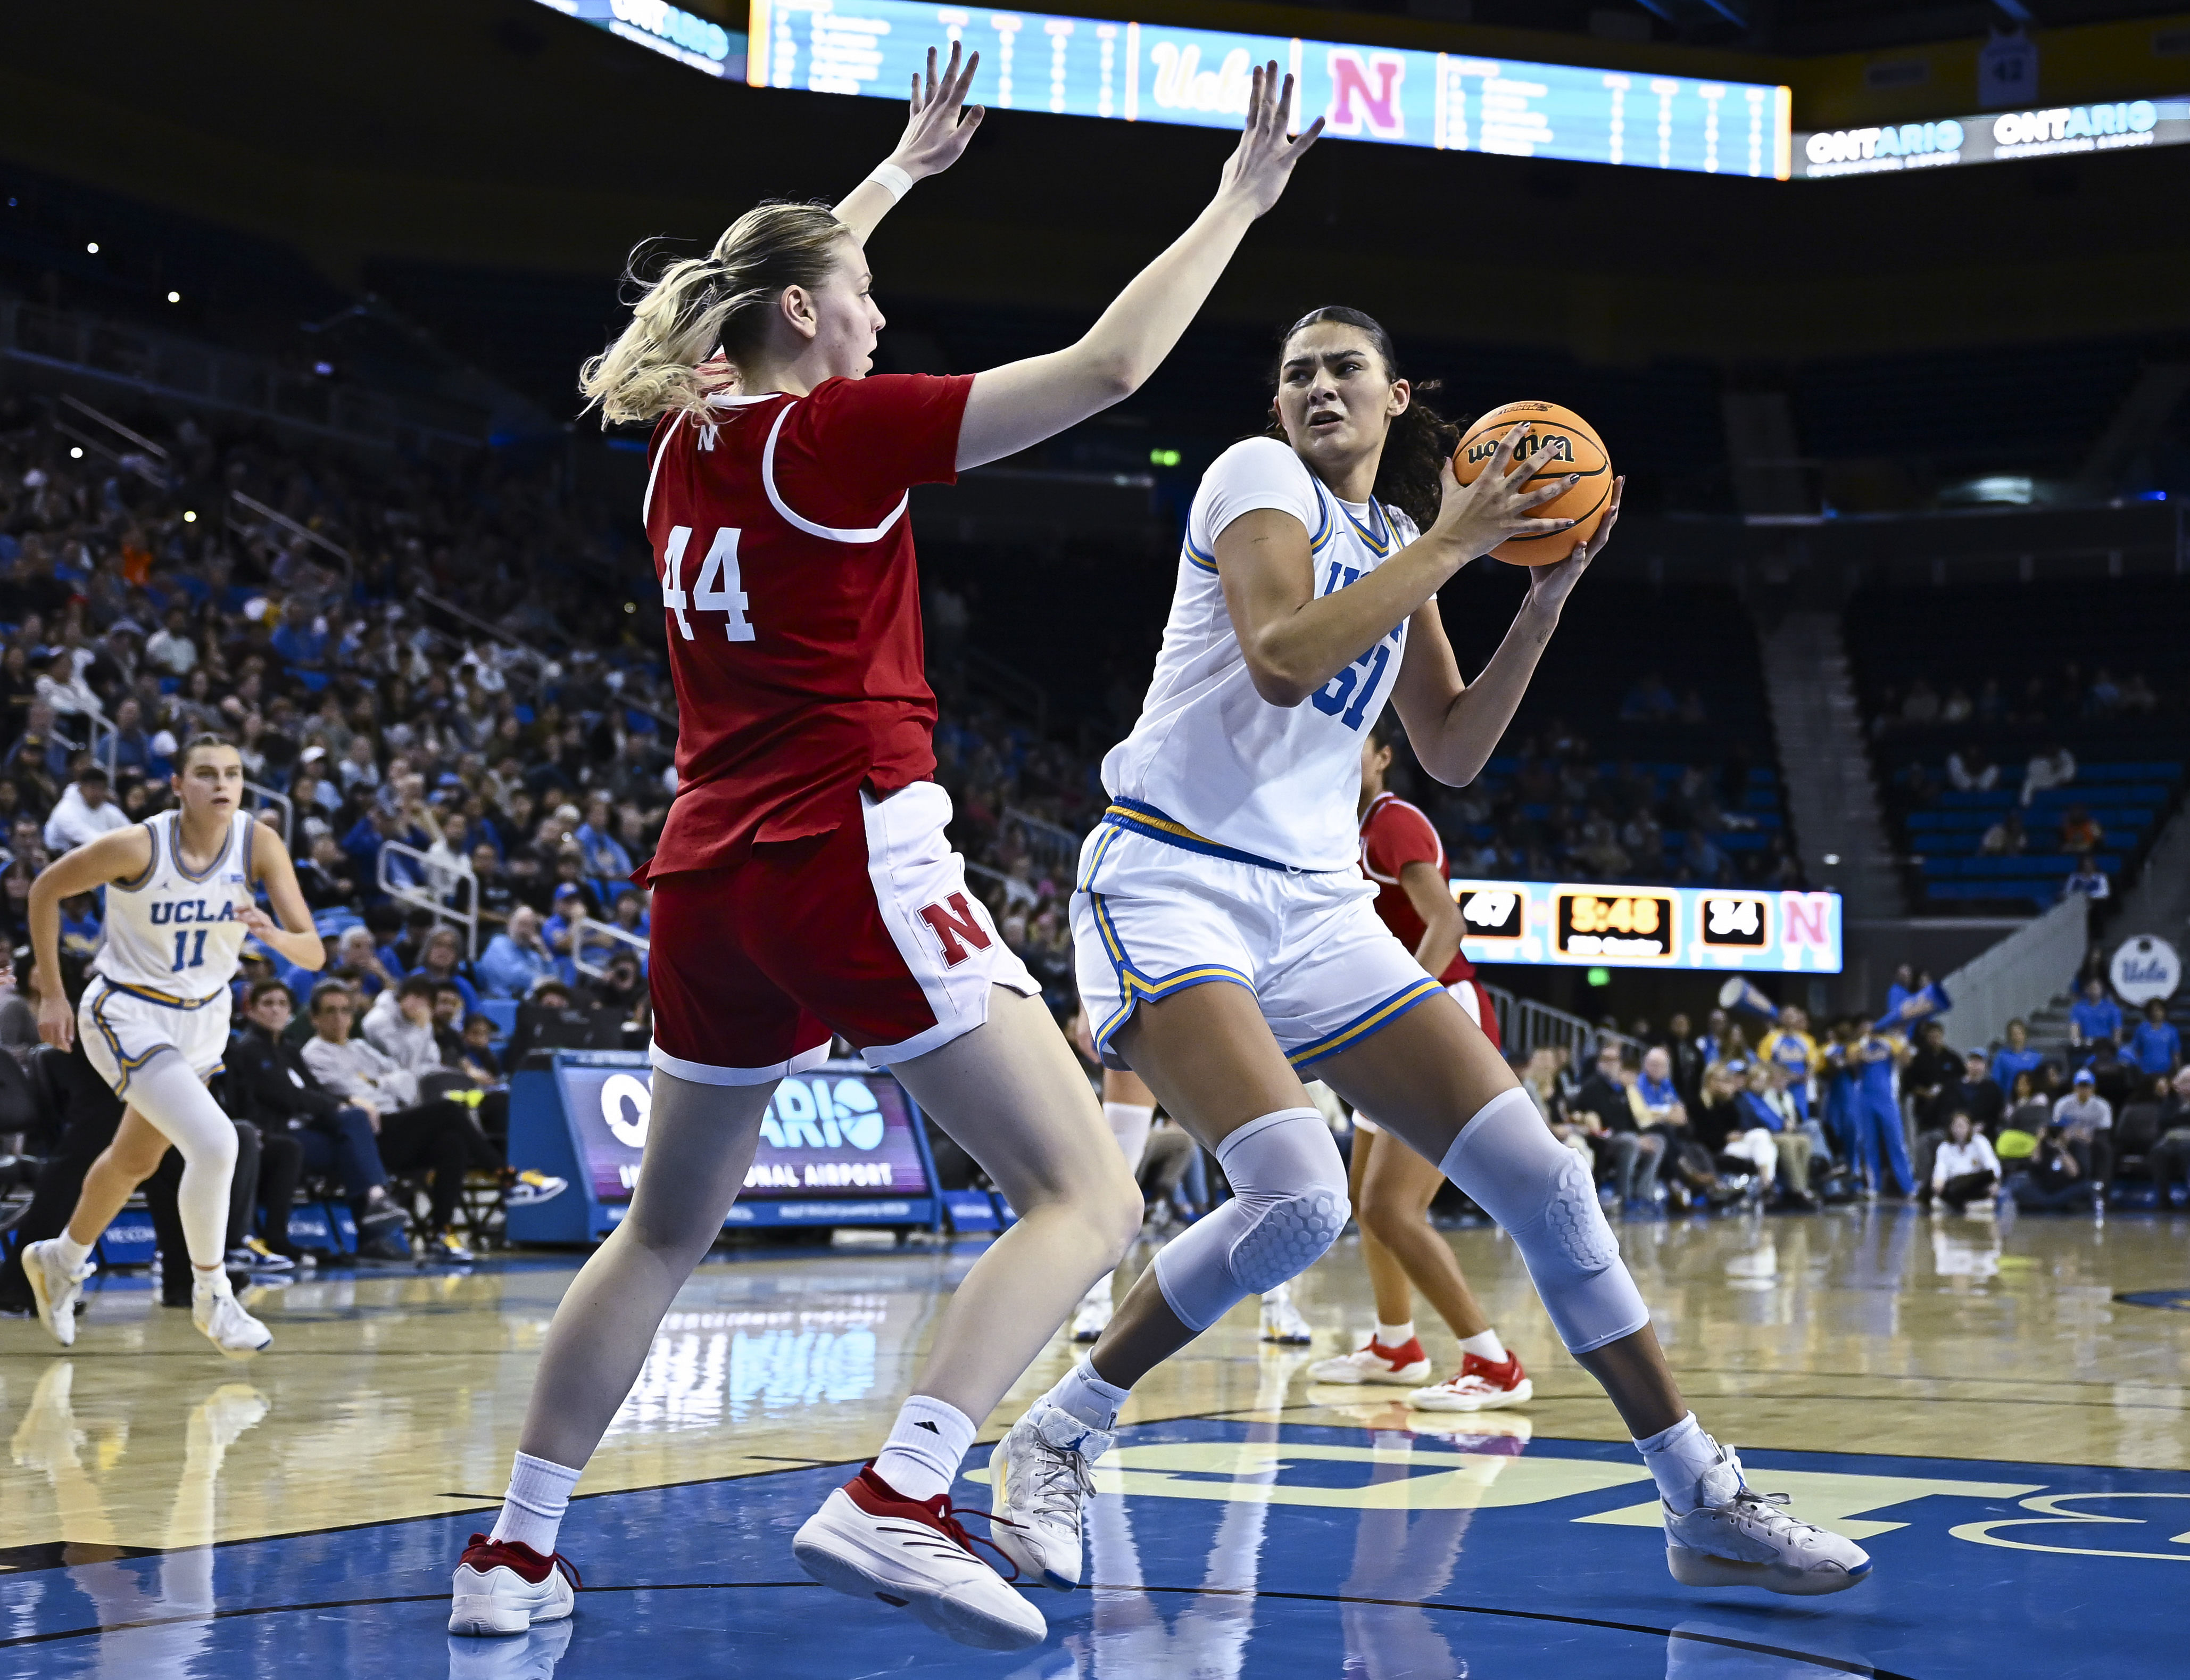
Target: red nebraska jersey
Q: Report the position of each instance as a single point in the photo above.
(1394, 834)
(784, 547)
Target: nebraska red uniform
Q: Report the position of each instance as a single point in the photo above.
(803, 885)
(1394, 834)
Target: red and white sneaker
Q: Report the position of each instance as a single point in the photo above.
(870, 1542)
(504, 1586)
(1373, 1362)
(1479, 1386)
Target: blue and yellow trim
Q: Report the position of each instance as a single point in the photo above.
(125, 1065)
(1200, 561)
(149, 996)
(1135, 988)
(1362, 1025)
(175, 851)
(1380, 544)
(1130, 814)
(1319, 539)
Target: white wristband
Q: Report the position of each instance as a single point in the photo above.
(892, 180)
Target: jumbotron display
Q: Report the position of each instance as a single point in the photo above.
(2002, 137)
(1576, 924)
(1156, 73)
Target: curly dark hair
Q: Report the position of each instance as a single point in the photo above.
(1420, 440)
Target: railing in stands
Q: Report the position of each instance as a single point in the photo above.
(1525, 1026)
(282, 522)
(1050, 843)
(539, 657)
(588, 934)
(420, 893)
(265, 798)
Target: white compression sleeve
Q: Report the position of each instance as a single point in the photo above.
(179, 1107)
(1507, 1161)
(1129, 1124)
(1288, 1205)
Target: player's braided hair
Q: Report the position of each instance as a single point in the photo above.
(1420, 441)
(695, 305)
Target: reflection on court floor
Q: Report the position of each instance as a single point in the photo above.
(1220, 1549)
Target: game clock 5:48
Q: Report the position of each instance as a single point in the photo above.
(1635, 927)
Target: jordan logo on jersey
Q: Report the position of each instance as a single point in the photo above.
(955, 925)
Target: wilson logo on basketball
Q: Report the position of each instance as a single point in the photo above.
(957, 927)
(1553, 448)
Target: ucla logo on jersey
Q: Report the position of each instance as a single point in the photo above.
(179, 911)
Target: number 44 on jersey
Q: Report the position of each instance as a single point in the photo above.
(718, 589)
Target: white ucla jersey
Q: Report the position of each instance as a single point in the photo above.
(173, 932)
(1212, 755)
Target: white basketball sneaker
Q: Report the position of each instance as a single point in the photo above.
(503, 1587)
(870, 1542)
(54, 1288)
(1477, 1386)
(1735, 1537)
(225, 1324)
(1093, 1317)
(1042, 1472)
(1282, 1322)
(1403, 1366)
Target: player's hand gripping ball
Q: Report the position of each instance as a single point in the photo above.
(1559, 442)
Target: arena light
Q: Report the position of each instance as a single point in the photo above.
(2001, 137)
(174, 296)
(1149, 72)
(93, 247)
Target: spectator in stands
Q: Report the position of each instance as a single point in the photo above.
(2087, 879)
(410, 1134)
(1971, 769)
(1978, 1095)
(170, 650)
(85, 812)
(2014, 1057)
(1630, 1156)
(324, 875)
(2006, 838)
(2168, 1158)
(441, 960)
(518, 958)
(1964, 1170)
(2095, 1018)
(399, 1024)
(2080, 832)
(273, 1086)
(2051, 766)
(61, 687)
(2156, 1046)
(2087, 1120)
(1931, 1076)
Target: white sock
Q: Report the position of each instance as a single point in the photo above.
(532, 1510)
(1396, 1335)
(71, 1254)
(1271, 1298)
(1677, 1458)
(210, 1280)
(1088, 1397)
(930, 1440)
(1487, 1345)
(1129, 1124)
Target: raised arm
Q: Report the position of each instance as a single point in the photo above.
(1023, 402)
(1454, 726)
(122, 854)
(937, 129)
(1295, 640)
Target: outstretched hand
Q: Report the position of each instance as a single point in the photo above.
(1263, 163)
(938, 126)
(1550, 585)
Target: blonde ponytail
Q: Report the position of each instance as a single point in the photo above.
(696, 305)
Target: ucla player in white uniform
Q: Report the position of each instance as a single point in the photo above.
(181, 892)
(1228, 947)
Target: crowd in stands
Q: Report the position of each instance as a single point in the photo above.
(2013, 791)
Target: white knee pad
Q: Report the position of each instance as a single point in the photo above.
(1288, 1205)
(1129, 1123)
(1507, 1161)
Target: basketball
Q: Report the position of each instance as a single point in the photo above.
(1560, 442)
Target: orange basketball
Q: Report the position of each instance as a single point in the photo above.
(1559, 442)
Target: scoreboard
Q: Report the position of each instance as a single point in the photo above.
(1728, 927)
(1147, 72)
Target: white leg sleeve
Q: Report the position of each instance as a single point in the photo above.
(1506, 1160)
(1129, 1124)
(176, 1103)
(1288, 1205)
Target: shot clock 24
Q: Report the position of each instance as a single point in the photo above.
(1597, 925)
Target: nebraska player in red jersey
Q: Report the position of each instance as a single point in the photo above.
(804, 887)
(1391, 1186)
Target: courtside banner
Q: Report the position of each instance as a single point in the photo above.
(1575, 924)
(1999, 137)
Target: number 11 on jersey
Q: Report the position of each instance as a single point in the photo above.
(718, 588)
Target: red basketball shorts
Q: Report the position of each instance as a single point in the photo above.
(868, 931)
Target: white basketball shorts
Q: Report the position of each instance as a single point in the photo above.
(124, 1027)
(1158, 910)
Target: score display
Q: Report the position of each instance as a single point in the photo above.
(1158, 73)
(1727, 928)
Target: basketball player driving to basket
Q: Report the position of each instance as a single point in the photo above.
(804, 886)
(1227, 946)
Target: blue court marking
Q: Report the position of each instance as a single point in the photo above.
(2171, 1300)
(1247, 1552)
